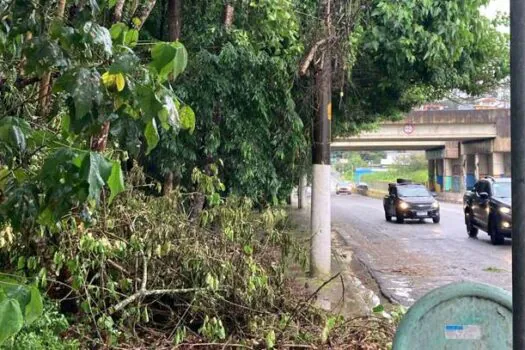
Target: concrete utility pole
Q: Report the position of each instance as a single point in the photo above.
(517, 30)
(321, 247)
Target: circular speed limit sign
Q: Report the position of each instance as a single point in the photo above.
(408, 128)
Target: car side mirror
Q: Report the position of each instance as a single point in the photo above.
(434, 195)
(483, 195)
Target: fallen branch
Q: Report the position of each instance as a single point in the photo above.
(148, 293)
(300, 306)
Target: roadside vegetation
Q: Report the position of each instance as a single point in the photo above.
(147, 148)
(412, 167)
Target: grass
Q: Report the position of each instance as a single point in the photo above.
(392, 175)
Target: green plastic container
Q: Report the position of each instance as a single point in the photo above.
(459, 316)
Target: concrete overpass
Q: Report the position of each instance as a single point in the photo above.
(461, 146)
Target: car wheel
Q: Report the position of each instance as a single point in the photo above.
(436, 219)
(471, 229)
(388, 217)
(495, 236)
(399, 218)
(337, 193)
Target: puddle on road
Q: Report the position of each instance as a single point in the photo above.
(401, 291)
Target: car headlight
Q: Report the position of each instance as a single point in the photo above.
(505, 210)
(403, 205)
(435, 205)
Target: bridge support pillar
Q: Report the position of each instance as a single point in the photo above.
(440, 165)
(432, 174)
(447, 175)
(484, 165)
(462, 173)
(497, 164)
(472, 170)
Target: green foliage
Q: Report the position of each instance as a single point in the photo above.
(419, 176)
(19, 305)
(44, 333)
(239, 83)
(54, 166)
(413, 51)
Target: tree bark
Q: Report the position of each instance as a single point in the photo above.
(45, 88)
(167, 187)
(99, 141)
(174, 19)
(228, 15)
(117, 13)
(144, 12)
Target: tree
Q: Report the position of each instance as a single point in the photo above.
(239, 80)
(101, 90)
(410, 52)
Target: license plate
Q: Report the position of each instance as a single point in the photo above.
(421, 213)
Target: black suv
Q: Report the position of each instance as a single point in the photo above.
(488, 207)
(407, 200)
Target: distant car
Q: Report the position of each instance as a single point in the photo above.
(361, 188)
(343, 187)
(407, 200)
(488, 207)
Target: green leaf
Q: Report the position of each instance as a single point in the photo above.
(270, 339)
(187, 118)
(124, 64)
(35, 307)
(152, 135)
(169, 58)
(148, 101)
(17, 138)
(84, 87)
(117, 30)
(99, 36)
(378, 308)
(131, 38)
(95, 171)
(248, 250)
(15, 290)
(11, 319)
(168, 115)
(115, 181)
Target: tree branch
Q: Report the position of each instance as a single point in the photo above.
(147, 293)
(305, 64)
(117, 13)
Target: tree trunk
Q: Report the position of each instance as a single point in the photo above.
(197, 204)
(228, 15)
(99, 141)
(167, 187)
(117, 13)
(45, 88)
(174, 19)
(144, 12)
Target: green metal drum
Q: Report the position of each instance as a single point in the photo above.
(459, 316)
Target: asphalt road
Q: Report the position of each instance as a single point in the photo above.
(408, 260)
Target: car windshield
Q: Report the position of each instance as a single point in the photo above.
(502, 190)
(343, 184)
(413, 191)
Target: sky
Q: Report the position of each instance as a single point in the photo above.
(496, 6)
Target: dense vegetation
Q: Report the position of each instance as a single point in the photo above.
(131, 161)
(412, 166)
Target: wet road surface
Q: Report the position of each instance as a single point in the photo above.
(408, 260)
